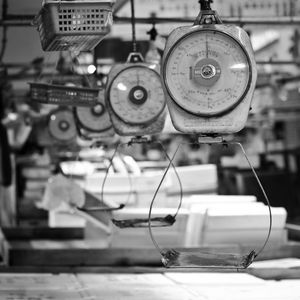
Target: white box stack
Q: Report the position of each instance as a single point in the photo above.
(241, 223)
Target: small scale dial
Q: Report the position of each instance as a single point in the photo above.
(136, 95)
(62, 125)
(94, 119)
(207, 72)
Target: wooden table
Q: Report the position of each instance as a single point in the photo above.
(146, 286)
(70, 253)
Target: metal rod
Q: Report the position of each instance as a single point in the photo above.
(278, 62)
(51, 65)
(16, 23)
(17, 20)
(4, 30)
(132, 21)
(45, 76)
(275, 21)
(4, 9)
(205, 4)
(19, 17)
(227, 20)
(29, 65)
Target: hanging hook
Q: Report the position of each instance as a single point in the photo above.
(205, 4)
(207, 16)
(152, 33)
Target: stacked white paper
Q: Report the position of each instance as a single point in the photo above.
(231, 223)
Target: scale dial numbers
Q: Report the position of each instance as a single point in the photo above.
(207, 72)
(136, 95)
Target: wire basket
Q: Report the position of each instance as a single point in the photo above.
(63, 95)
(38, 92)
(73, 25)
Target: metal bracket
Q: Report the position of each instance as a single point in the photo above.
(139, 140)
(211, 140)
(207, 17)
(205, 4)
(135, 57)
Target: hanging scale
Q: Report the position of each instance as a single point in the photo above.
(134, 95)
(209, 75)
(93, 122)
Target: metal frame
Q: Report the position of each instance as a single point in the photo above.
(26, 20)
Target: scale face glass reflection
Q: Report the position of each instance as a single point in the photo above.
(136, 95)
(207, 72)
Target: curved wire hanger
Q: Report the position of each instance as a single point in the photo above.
(166, 221)
(103, 207)
(102, 220)
(172, 258)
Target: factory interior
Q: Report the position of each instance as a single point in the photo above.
(149, 149)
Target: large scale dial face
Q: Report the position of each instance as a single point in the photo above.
(207, 72)
(136, 95)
